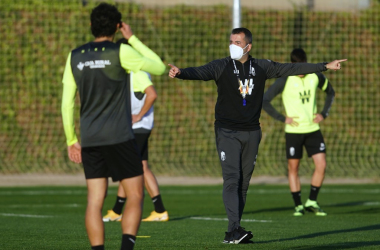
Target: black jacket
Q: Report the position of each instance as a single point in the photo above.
(229, 110)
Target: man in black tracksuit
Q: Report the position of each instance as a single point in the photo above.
(240, 80)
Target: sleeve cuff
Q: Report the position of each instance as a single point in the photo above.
(132, 39)
(71, 142)
(324, 66)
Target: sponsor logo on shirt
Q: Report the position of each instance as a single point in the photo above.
(305, 96)
(93, 64)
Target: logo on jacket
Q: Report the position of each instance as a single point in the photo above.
(246, 87)
(222, 156)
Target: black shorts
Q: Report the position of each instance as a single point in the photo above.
(142, 144)
(313, 143)
(119, 161)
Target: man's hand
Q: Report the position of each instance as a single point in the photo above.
(74, 152)
(335, 65)
(174, 71)
(136, 118)
(291, 121)
(126, 30)
(318, 118)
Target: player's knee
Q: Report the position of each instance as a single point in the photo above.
(136, 196)
(230, 184)
(293, 169)
(95, 202)
(232, 177)
(321, 167)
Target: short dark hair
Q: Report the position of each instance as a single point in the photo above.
(298, 56)
(247, 33)
(104, 19)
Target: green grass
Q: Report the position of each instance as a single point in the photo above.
(53, 218)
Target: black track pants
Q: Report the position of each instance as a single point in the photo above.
(237, 152)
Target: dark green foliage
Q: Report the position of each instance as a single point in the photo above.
(38, 35)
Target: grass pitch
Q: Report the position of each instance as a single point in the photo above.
(53, 218)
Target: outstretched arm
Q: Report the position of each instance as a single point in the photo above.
(209, 71)
(276, 70)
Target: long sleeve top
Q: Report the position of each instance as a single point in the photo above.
(98, 71)
(299, 99)
(230, 112)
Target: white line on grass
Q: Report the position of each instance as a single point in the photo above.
(371, 203)
(252, 190)
(26, 215)
(225, 219)
(44, 192)
(42, 205)
(349, 190)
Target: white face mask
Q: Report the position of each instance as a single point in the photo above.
(237, 52)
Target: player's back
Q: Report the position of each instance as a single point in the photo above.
(104, 94)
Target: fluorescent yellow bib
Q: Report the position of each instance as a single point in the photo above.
(299, 98)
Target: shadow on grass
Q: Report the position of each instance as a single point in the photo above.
(346, 204)
(313, 235)
(364, 211)
(345, 245)
(364, 204)
(182, 218)
(266, 210)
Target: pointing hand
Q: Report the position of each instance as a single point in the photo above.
(174, 71)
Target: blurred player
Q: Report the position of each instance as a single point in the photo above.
(97, 70)
(302, 128)
(240, 81)
(143, 95)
